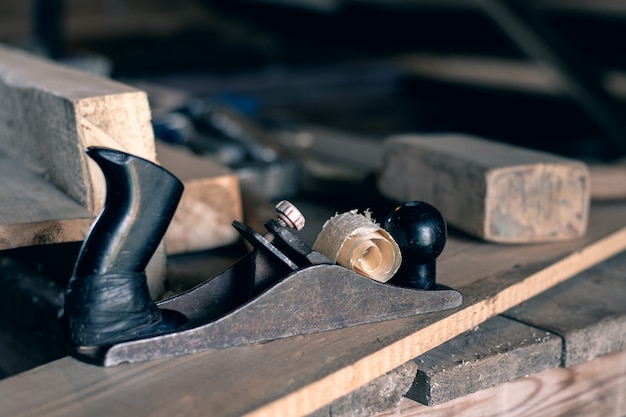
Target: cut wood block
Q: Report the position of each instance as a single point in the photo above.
(588, 312)
(497, 351)
(210, 202)
(34, 212)
(494, 191)
(298, 375)
(592, 389)
(50, 113)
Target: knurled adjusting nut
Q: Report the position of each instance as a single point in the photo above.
(290, 215)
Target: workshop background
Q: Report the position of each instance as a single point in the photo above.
(369, 67)
(544, 74)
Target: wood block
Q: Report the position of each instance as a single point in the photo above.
(210, 202)
(497, 351)
(298, 375)
(497, 192)
(591, 389)
(34, 212)
(49, 114)
(588, 312)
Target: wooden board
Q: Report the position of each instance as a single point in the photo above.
(592, 389)
(50, 113)
(588, 312)
(608, 181)
(210, 202)
(382, 394)
(296, 376)
(494, 191)
(497, 351)
(34, 212)
(522, 76)
(572, 323)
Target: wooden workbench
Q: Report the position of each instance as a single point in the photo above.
(296, 376)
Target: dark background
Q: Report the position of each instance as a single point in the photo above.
(335, 63)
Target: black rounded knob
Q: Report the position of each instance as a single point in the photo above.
(420, 231)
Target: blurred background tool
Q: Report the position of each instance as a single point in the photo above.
(221, 132)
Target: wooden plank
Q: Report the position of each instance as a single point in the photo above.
(497, 351)
(497, 192)
(34, 212)
(588, 312)
(520, 76)
(261, 380)
(608, 181)
(49, 114)
(383, 393)
(210, 202)
(580, 319)
(98, 20)
(592, 389)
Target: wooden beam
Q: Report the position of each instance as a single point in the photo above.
(588, 312)
(497, 351)
(608, 181)
(593, 388)
(34, 212)
(210, 202)
(50, 113)
(572, 323)
(494, 191)
(514, 75)
(296, 376)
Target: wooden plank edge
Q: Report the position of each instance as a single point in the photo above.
(44, 232)
(593, 388)
(307, 399)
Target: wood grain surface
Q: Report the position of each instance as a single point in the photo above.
(296, 376)
(591, 389)
(211, 201)
(34, 212)
(497, 351)
(588, 312)
(572, 323)
(494, 191)
(50, 113)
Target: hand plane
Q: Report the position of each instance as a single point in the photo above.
(281, 288)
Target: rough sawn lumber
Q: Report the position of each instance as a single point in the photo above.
(49, 115)
(296, 376)
(571, 323)
(591, 389)
(497, 351)
(210, 202)
(494, 191)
